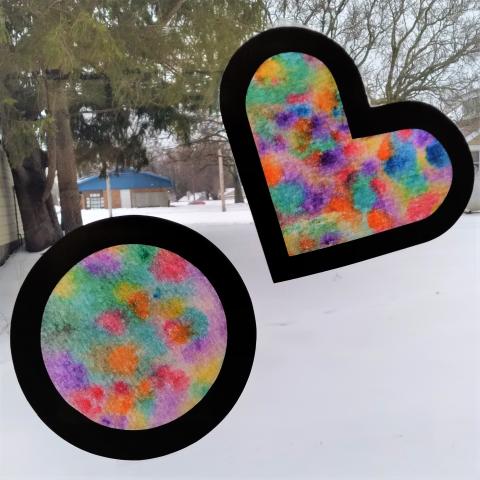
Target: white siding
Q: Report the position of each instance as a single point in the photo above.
(8, 224)
(125, 200)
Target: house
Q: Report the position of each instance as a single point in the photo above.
(130, 189)
(11, 231)
(470, 127)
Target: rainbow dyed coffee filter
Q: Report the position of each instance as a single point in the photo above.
(326, 187)
(133, 336)
(330, 179)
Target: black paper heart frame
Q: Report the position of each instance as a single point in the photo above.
(69, 423)
(363, 121)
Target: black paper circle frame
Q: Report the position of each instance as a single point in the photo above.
(72, 425)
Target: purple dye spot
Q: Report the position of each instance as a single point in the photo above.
(332, 158)
(421, 138)
(314, 201)
(285, 119)
(330, 238)
(319, 126)
(65, 372)
(279, 144)
(369, 168)
(101, 263)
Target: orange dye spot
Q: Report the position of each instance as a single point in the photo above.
(120, 404)
(307, 243)
(139, 302)
(325, 100)
(379, 221)
(344, 207)
(123, 359)
(385, 149)
(177, 332)
(145, 388)
(271, 170)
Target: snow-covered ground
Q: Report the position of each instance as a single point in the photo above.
(370, 371)
(208, 214)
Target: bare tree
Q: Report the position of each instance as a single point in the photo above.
(405, 49)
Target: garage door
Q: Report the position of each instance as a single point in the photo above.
(149, 199)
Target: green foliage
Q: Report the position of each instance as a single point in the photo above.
(140, 67)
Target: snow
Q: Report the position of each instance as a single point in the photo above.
(370, 371)
(209, 213)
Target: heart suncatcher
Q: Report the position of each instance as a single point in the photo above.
(331, 180)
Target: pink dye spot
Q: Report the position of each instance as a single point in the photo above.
(121, 387)
(112, 322)
(404, 134)
(378, 185)
(423, 206)
(353, 149)
(167, 266)
(88, 400)
(297, 98)
(166, 376)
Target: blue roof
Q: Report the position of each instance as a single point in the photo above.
(124, 180)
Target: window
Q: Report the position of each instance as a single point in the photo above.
(94, 200)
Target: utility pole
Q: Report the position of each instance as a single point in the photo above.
(109, 196)
(221, 179)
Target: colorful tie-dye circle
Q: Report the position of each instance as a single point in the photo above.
(326, 187)
(133, 336)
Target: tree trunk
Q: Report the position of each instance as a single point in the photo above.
(237, 187)
(40, 222)
(65, 160)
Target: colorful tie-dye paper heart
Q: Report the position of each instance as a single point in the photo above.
(326, 187)
(133, 336)
(331, 180)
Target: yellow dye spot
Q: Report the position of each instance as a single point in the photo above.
(137, 420)
(66, 286)
(169, 308)
(208, 371)
(270, 71)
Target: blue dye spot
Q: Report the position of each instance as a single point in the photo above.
(301, 110)
(364, 196)
(403, 162)
(288, 198)
(437, 156)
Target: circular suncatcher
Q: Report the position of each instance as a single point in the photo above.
(133, 337)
